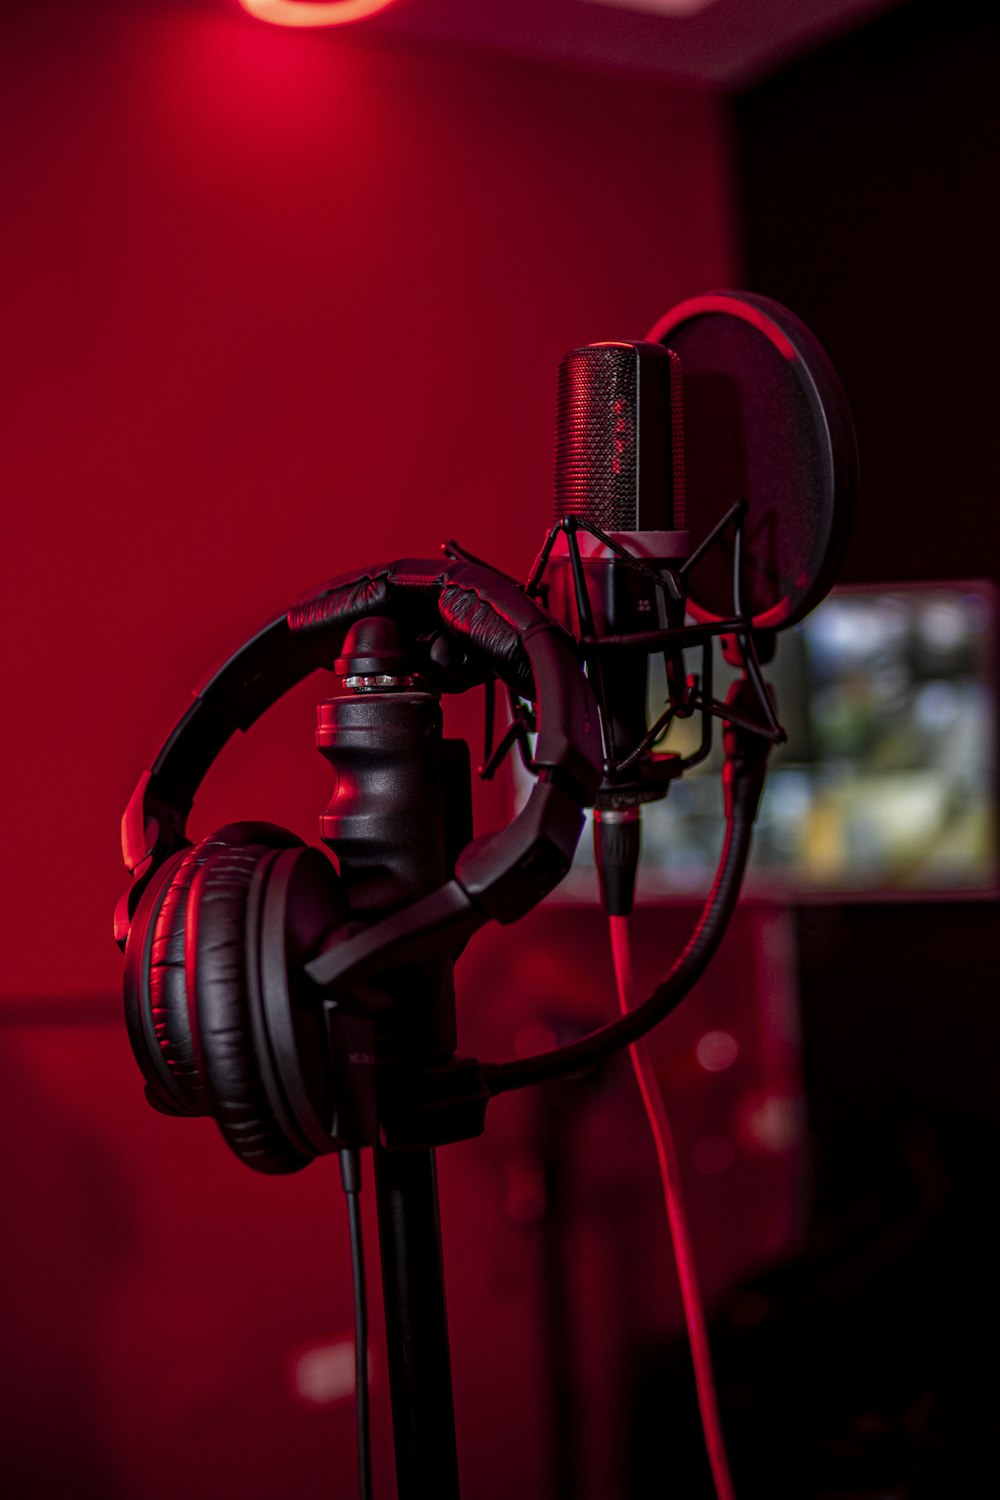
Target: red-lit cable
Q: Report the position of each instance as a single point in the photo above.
(666, 1153)
(687, 969)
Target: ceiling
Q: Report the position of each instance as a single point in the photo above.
(726, 43)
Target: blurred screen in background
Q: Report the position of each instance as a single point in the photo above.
(887, 785)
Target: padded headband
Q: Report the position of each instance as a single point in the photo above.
(519, 642)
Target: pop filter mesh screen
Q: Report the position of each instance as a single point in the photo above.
(752, 433)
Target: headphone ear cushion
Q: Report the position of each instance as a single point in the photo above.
(142, 1016)
(217, 954)
(167, 991)
(156, 990)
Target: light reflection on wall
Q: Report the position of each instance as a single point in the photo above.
(313, 12)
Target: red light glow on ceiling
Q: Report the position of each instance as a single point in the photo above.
(308, 13)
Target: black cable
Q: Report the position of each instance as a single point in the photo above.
(687, 970)
(350, 1176)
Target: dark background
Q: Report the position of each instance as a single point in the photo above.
(272, 309)
(866, 183)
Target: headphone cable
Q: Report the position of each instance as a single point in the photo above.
(666, 1153)
(350, 1176)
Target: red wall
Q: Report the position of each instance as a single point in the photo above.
(275, 305)
(278, 305)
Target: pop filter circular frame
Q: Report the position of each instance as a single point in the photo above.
(766, 421)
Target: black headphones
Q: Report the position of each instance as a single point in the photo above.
(234, 945)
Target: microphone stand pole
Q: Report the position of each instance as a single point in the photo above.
(416, 1324)
(400, 811)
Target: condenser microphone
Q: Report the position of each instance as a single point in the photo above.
(620, 476)
(620, 472)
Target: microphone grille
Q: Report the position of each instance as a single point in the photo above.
(618, 454)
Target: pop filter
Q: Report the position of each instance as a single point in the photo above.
(766, 421)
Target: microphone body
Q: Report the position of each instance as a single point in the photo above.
(619, 437)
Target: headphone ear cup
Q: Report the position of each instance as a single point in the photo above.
(157, 1010)
(216, 962)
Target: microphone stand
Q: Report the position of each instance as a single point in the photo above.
(400, 812)
(400, 815)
